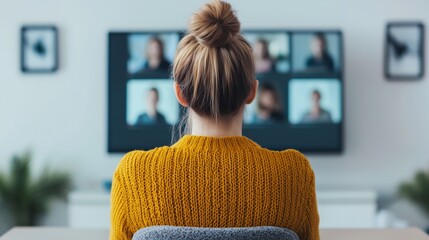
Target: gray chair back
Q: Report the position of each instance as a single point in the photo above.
(199, 233)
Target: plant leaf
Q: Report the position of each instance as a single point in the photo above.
(417, 190)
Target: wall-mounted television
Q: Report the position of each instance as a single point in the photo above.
(299, 103)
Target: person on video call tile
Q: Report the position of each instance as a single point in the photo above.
(263, 61)
(317, 114)
(156, 60)
(152, 116)
(269, 106)
(320, 60)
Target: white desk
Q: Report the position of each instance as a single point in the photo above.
(47, 233)
(337, 209)
(103, 234)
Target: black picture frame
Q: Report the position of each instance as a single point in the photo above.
(52, 50)
(400, 51)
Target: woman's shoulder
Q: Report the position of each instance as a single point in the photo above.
(294, 154)
(299, 160)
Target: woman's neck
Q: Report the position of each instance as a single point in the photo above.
(203, 126)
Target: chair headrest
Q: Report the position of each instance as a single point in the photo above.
(200, 233)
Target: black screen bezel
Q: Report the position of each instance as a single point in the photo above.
(122, 139)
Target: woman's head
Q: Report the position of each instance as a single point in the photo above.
(268, 100)
(260, 49)
(318, 45)
(213, 69)
(315, 97)
(155, 49)
(152, 99)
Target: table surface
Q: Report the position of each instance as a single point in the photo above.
(48, 233)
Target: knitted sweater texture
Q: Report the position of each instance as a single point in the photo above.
(214, 182)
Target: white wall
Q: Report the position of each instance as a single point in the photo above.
(62, 116)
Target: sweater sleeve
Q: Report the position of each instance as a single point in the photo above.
(118, 210)
(312, 214)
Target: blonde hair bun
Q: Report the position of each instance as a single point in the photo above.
(215, 24)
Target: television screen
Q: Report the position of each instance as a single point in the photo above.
(299, 103)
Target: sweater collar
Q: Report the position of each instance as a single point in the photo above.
(214, 143)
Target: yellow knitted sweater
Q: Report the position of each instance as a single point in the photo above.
(214, 182)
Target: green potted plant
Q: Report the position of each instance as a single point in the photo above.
(27, 197)
(417, 191)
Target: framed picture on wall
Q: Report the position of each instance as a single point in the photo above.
(39, 49)
(404, 51)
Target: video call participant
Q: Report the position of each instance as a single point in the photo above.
(320, 60)
(316, 114)
(155, 58)
(263, 61)
(152, 116)
(269, 105)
